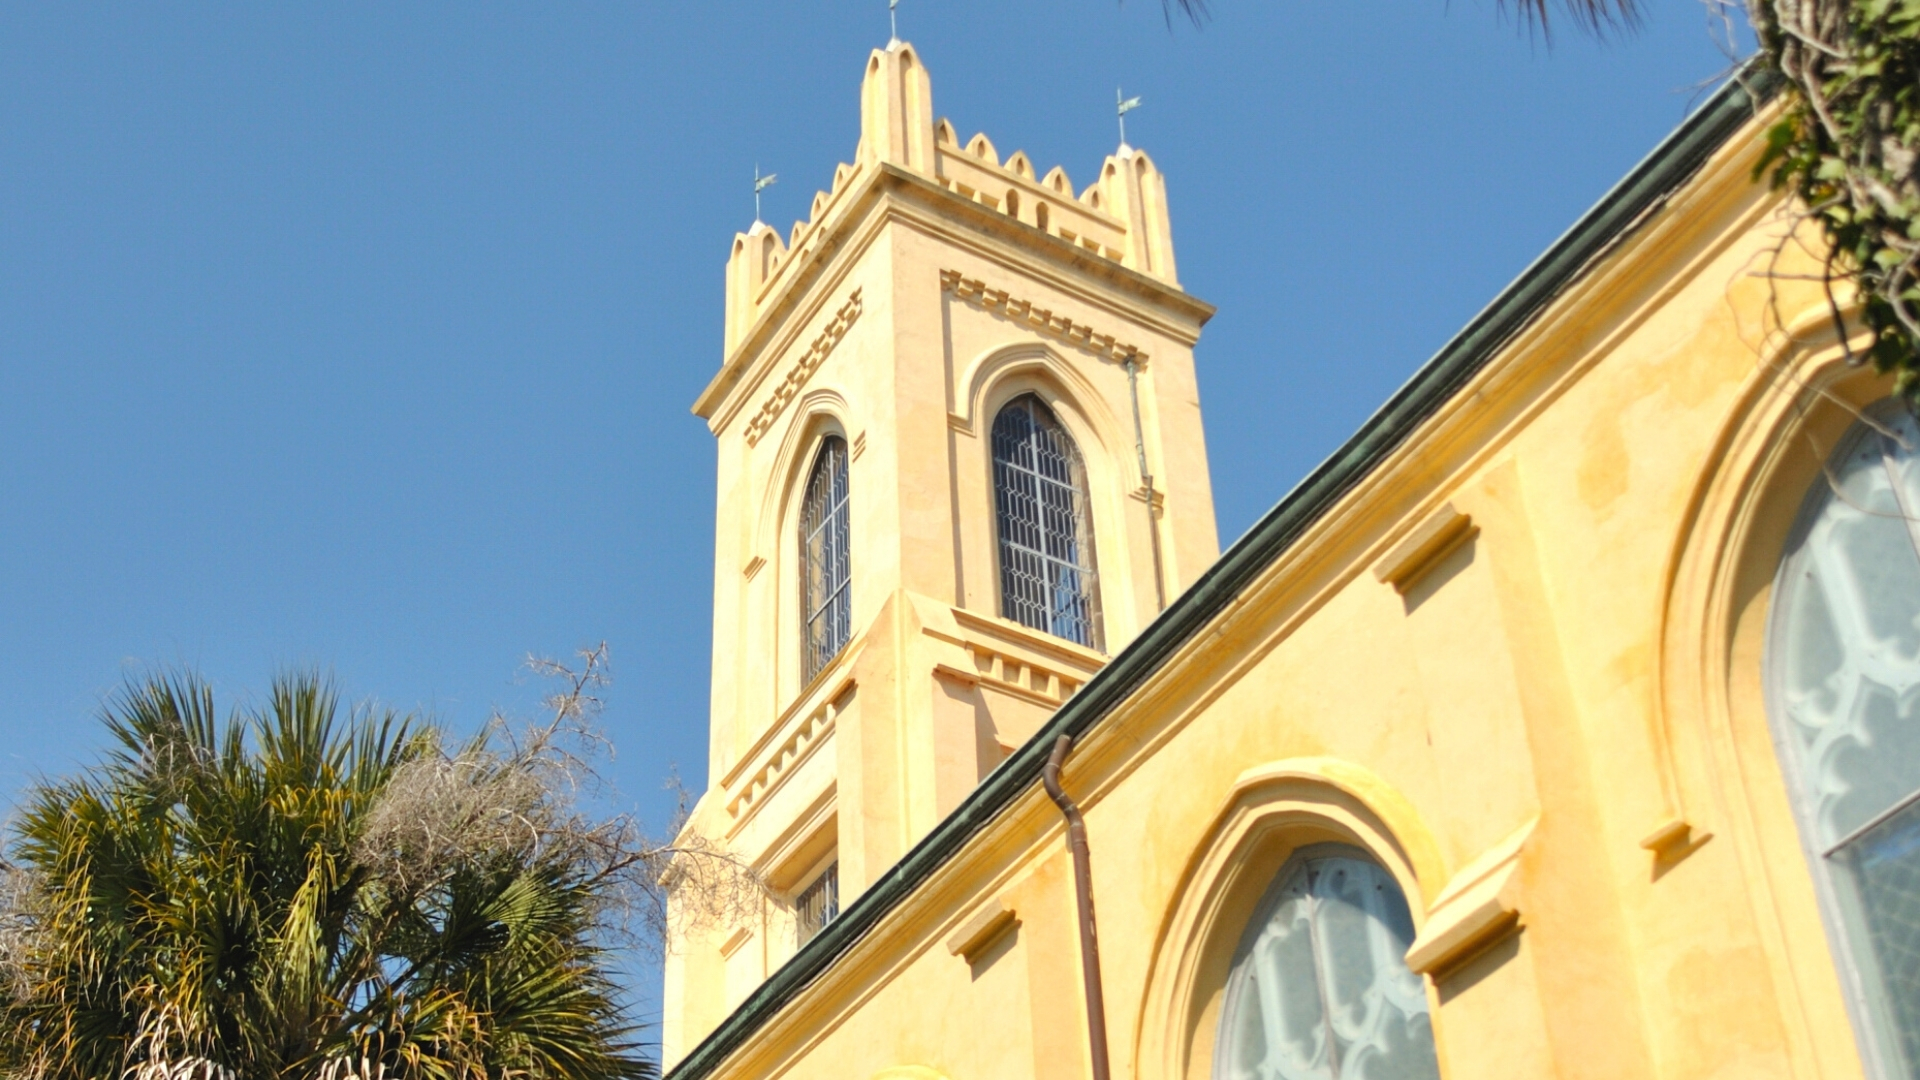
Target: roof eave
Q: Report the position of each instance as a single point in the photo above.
(1626, 206)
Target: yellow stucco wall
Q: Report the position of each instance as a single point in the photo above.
(1558, 720)
(933, 283)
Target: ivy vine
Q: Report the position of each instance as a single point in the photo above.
(1847, 145)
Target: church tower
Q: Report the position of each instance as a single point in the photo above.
(960, 464)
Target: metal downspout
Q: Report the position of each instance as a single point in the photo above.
(1146, 481)
(1083, 898)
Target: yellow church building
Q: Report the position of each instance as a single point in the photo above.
(1564, 723)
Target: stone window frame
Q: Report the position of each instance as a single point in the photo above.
(1712, 767)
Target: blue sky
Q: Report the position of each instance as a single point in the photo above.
(363, 336)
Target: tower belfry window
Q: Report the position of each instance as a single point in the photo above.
(1047, 576)
(826, 566)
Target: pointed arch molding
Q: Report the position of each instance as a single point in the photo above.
(825, 411)
(1081, 336)
(1712, 746)
(803, 368)
(1002, 372)
(1272, 810)
(1709, 736)
(1803, 392)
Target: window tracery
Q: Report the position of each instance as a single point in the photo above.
(1844, 693)
(1319, 988)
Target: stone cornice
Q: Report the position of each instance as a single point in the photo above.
(805, 734)
(830, 250)
(1059, 327)
(803, 368)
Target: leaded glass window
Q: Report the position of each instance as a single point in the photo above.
(1047, 578)
(1319, 988)
(1844, 693)
(826, 575)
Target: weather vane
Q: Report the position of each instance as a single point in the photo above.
(893, 23)
(1123, 106)
(760, 184)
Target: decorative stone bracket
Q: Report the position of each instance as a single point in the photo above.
(979, 933)
(1434, 539)
(1478, 907)
(1675, 839)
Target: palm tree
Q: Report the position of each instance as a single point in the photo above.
(297, 894)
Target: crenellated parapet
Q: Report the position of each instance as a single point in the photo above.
(1121, 216)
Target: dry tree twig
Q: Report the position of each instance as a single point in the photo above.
(517, 795)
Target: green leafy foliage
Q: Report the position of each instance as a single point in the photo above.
(1848, 145)
(209, 902)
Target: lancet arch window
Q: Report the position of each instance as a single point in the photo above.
(1041, 511)
(826, 564)
(1843, 693)
(1319, 988)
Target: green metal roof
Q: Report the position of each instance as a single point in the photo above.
(1629, 203)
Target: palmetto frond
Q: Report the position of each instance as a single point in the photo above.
(1597, 17)
(202, 905)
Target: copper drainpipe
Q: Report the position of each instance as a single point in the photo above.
(1083, 896)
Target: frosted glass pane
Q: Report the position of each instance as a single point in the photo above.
(1814, 659)
(1865, 552)
(1885, 868)
(1875, 538)
(1325, 959)
(1874, 765)
(1379, 1007)
(1274, 1026)
(1901, 436)
(1847, 644)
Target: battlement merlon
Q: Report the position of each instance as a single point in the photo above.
(1122, 216)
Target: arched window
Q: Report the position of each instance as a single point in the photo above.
(1320, 988)
(1843, 674)
(1047, 578)
(826, 576)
